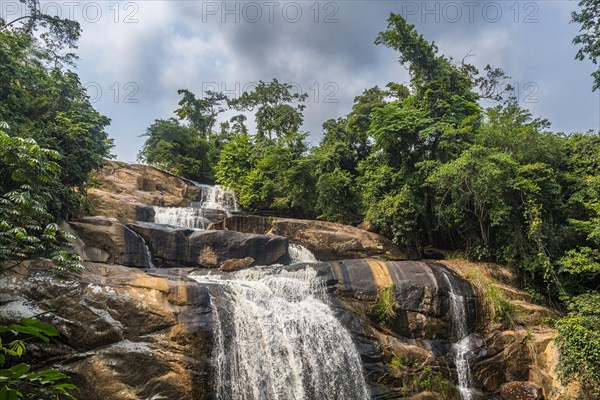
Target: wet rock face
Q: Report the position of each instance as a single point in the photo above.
(178, 247)
(421, 291)
(327, 240)
(125, 334)
(106, 240)
(414, 351)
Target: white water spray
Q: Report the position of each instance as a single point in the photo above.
(276, 338)
(187, 217)
(299, 254)
(147, 253)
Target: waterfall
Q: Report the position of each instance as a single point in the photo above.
(214, 203)
(137, 252)
(188, 217)
(462, 346)
(299, 254)
(215, 197)
(147, 254)
(276, 338)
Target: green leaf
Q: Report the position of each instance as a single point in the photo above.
(20, 369)
(9, 394)
(28, 331)
(42, 327)
(47, 376)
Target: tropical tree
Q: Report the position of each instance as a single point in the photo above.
(187, 146)
(178, 149)
(49, 104)
(278, 108)
(201, 114)
(589, 35)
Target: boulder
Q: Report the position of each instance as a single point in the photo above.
(326, 240)
(126, 191)
(421, 291)
(236, 264)
(521, 391)
(106, 240)
(544, 367)
(506, 359)
(124, 334)
(173, 246)
(366, 226)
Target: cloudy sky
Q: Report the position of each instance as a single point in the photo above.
(134, 55)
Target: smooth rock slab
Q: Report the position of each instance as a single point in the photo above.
(327, 240)
(421, 290)
(180, 247)
(107, 240)
(126, 191)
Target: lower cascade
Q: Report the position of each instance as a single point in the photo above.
(462, 346)
(276, 338)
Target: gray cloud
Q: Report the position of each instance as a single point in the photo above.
(186, 44)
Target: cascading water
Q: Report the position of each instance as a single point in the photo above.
(299, 254)
(217, 198)
(276, 338)
(462, 346)
(147, 254)
(213, 200)
(135, 244)
(188, 217)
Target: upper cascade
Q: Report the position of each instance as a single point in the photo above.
(213, 201)
(216, 197)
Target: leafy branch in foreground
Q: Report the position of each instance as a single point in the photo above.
(17, 382)
(27, 229)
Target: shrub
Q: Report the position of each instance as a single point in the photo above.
(384, 309)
